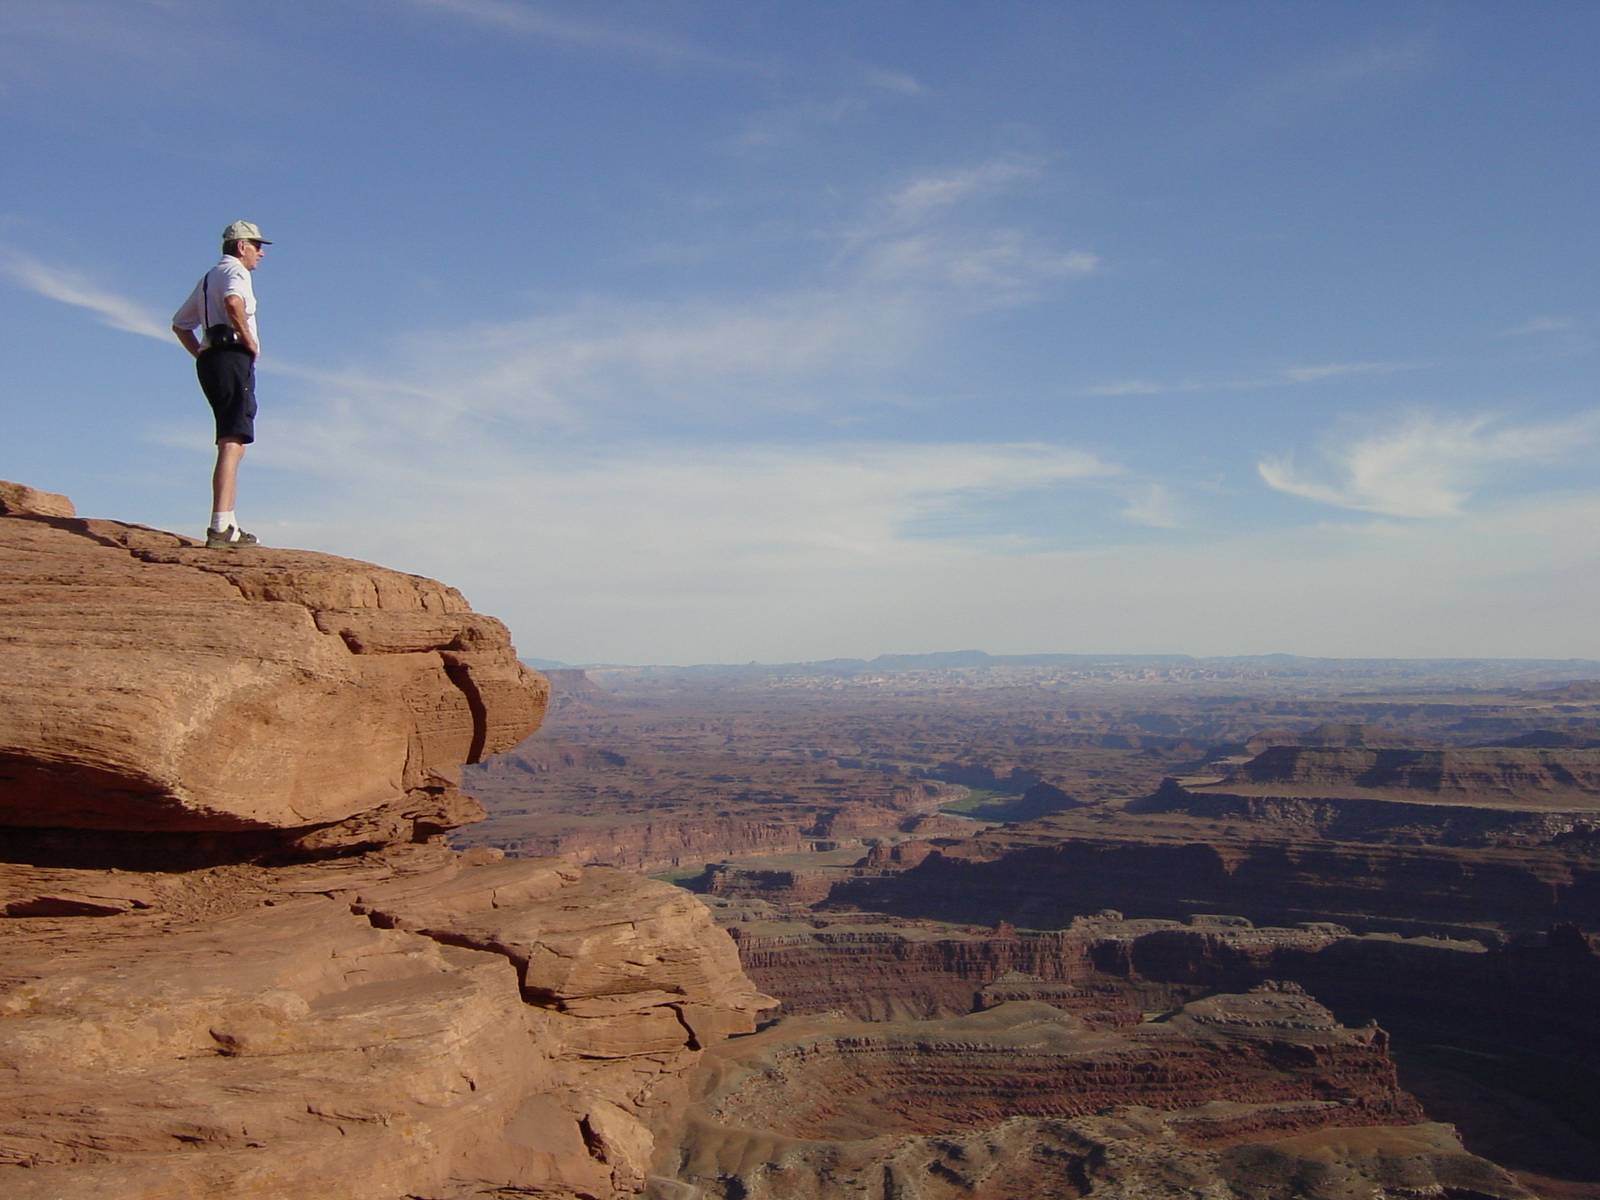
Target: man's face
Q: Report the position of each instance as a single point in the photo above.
(250, 254)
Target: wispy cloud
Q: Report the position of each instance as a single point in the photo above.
(998, 266)
(1290, 92)
(929, 232)
(899, 274)
(84, 22)
(1321, 371)
(1155, 506)
(788, 507)
(788, 124)
(1379, 59)
(1428, 467)
(782, 553)
(1535, 326)
(899, 82)
(917, 199)
(532, 21)
(66, 285)
(1282, 377)
(1138, 387)
(797, 121)
(889, 286)
(72, 287)
(628, 365)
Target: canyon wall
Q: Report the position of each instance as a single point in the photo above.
(1486, 841)
(1533, 994)
(1162, 871)
(656, 809)
(1248, 1095)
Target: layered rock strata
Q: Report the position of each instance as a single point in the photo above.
(882, 969)
(646, 813)
(400, 1024)
(1131, 1153)
(20, 500)
(1485, 796)
(1481, 842)
(1233, 1095)
(1173, 863)
(1500, 1038)
(301, 990)
(1532, 996)
(155, 687)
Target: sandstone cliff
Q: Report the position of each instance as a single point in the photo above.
(155, 687)
(238, 959)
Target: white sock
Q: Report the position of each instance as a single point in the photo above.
(222, 520)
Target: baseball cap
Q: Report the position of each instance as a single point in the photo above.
(244, 231)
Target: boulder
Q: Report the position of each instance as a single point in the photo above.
(18, 499)
(159, 687)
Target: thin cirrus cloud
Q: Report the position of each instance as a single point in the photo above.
(1534, 326)
(802, 120)
(899, 82)
(854, 498)
(921, 235)
(918, 198)
(1429, 467)
(1285, 376)
(993, 267)
(699, 359)
(1288, 93)
(892, 285)
(72, 288)
(910, 269)
(1155, 506)
(708, 514)
(526, 20)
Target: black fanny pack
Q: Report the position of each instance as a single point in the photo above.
(224, 337)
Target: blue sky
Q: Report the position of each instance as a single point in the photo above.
(684, 332)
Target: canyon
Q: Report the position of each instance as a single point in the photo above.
(310, 887)
(1406, 853)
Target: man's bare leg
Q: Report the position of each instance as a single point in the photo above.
(225, 478)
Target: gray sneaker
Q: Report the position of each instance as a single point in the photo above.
(231, 538)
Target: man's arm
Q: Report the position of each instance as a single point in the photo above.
(241, 323)
(189, 315)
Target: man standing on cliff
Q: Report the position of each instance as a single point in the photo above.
(223, 306)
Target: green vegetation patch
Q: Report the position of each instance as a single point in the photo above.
(976, 799)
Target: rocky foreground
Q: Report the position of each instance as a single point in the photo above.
(237, 958)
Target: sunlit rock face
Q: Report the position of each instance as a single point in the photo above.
(300, 990)
(157, 687)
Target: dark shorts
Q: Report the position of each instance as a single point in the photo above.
(228, 378)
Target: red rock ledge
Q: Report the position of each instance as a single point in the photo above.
(154, 686)
(375, 1016)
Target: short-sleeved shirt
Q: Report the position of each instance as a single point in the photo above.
(205, 306)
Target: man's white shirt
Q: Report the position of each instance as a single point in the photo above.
(206, 306)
